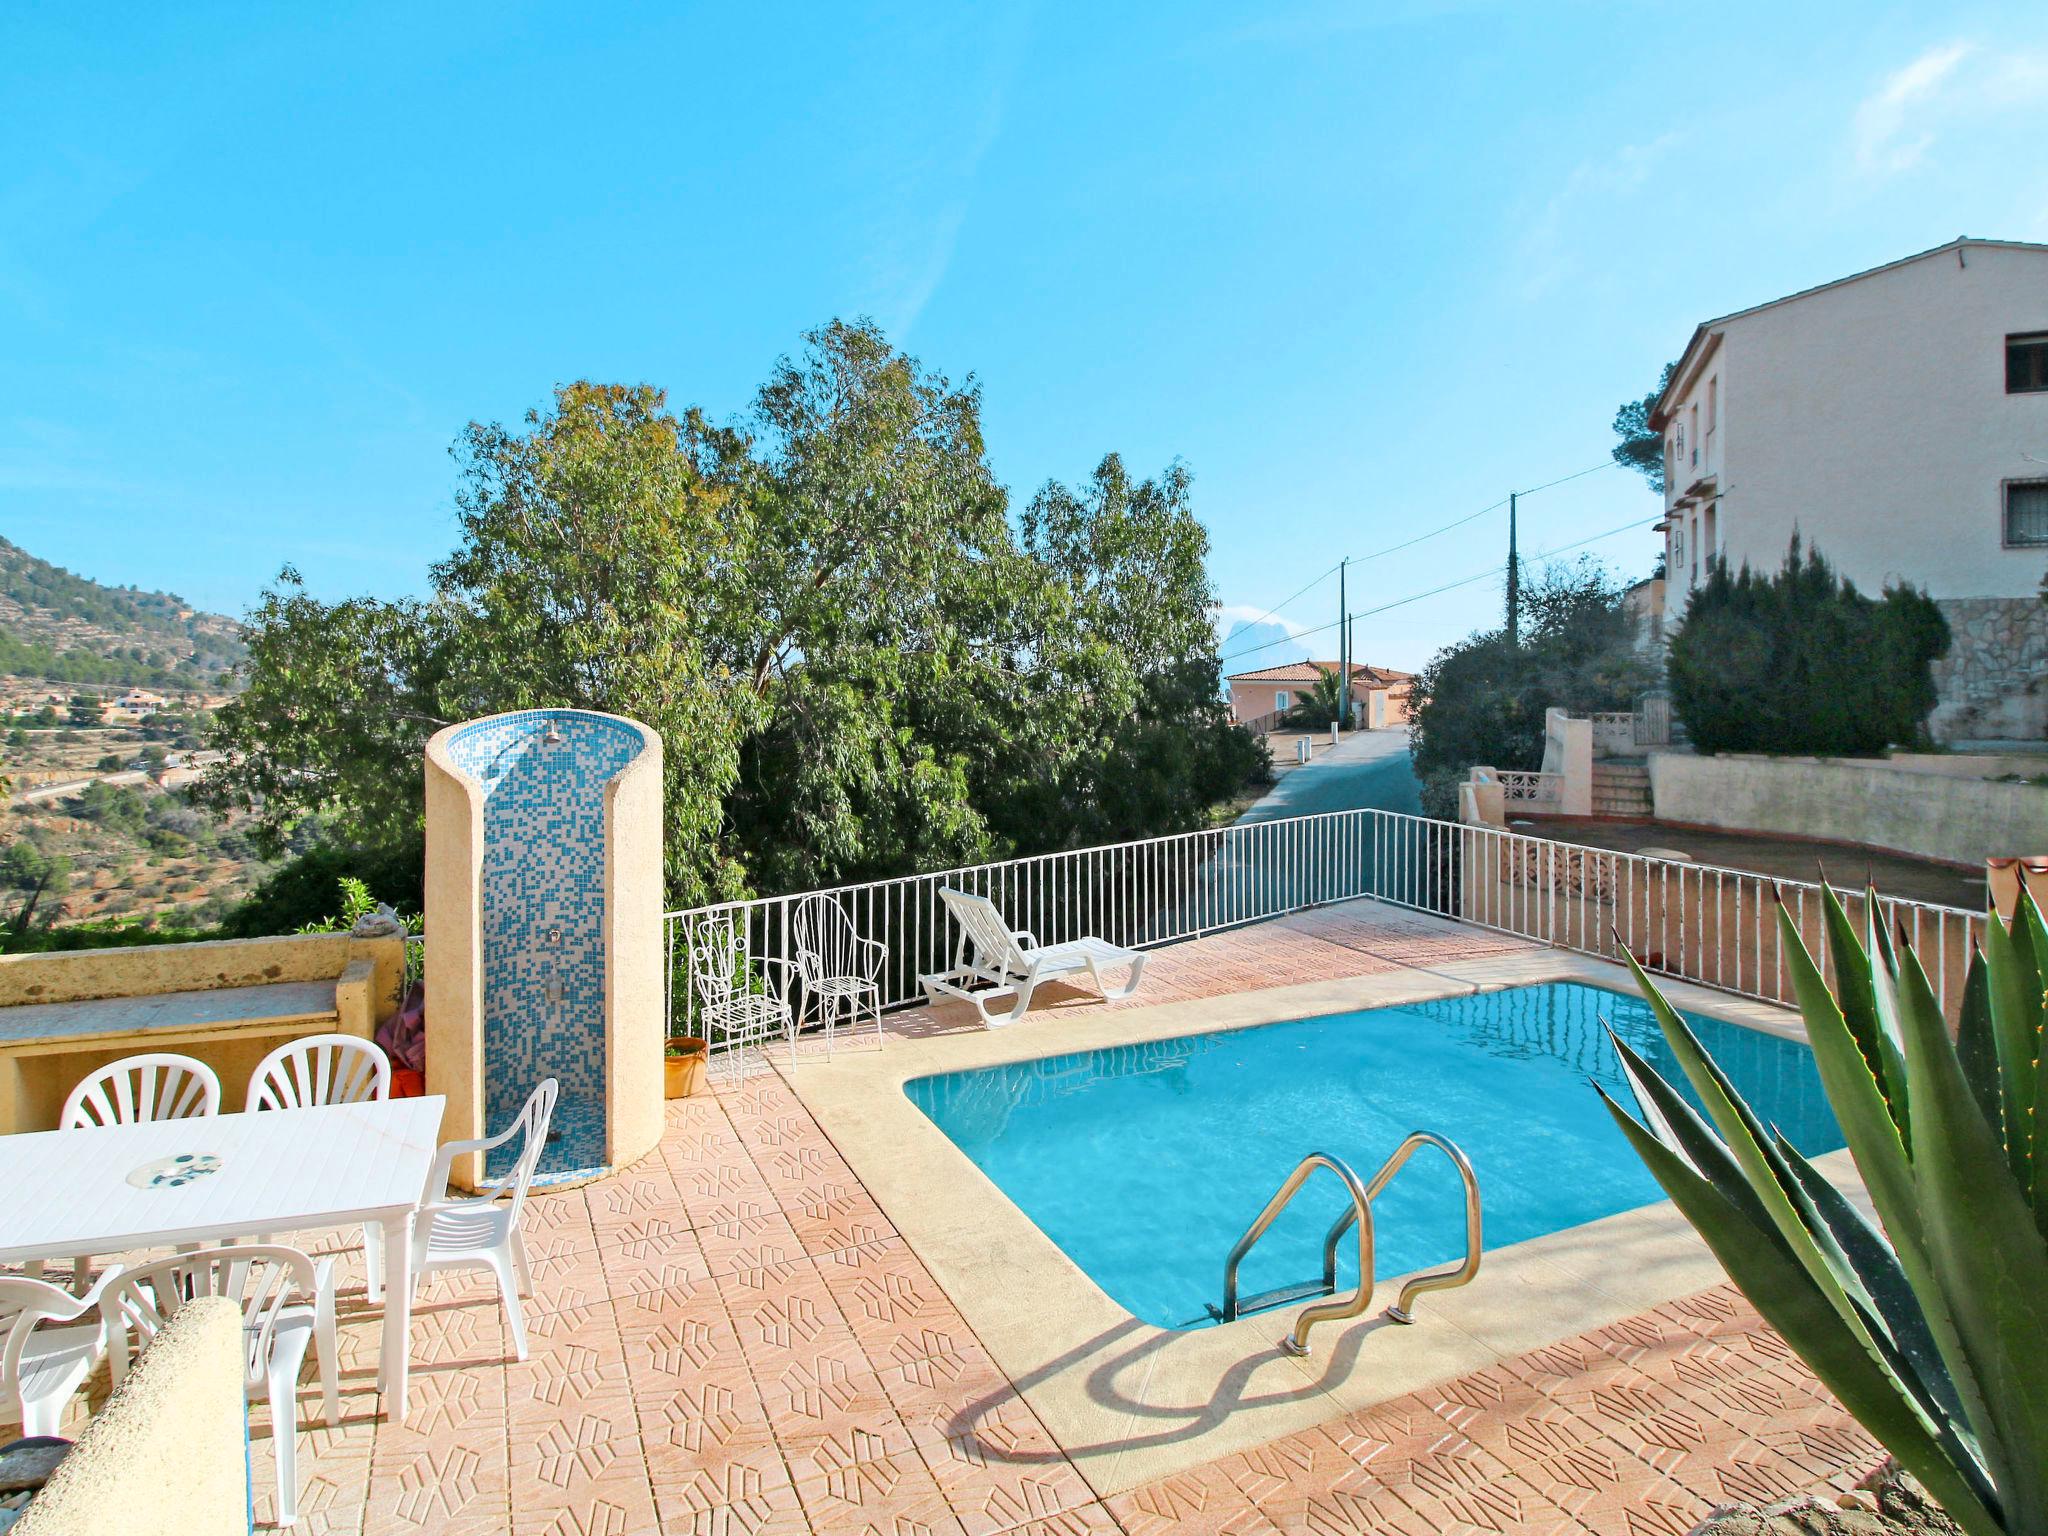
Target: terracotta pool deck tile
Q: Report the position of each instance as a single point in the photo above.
(731, 1340)
(1200, 1502)
(895, 1496)
(826, 1418)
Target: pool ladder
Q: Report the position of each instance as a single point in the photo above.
(1359, 1212)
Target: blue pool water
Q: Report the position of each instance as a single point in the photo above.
(1144, 1163)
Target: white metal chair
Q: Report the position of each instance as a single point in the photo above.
(40, 1367)
(160, 1085)
(1011, 962)
(287, 1302)
(327, 1069)
(731, 1013)
(840, 970)
(484, 1231)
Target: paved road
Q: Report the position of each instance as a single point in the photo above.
(1367, 769)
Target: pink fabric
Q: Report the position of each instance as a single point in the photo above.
(404, 1034)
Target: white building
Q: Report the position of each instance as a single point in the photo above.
(1897, 420)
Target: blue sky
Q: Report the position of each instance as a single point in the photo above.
(1365, 267)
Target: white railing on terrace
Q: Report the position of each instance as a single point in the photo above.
(1696, 922)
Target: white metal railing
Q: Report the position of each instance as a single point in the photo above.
(1695, 922)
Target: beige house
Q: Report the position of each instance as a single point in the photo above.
(1379, 694)
(1897, 420)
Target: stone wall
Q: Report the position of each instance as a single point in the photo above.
(1993, 684)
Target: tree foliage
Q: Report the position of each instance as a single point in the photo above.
(1482, 701)
(1640, 446)
(1799, 661)
(858, 663)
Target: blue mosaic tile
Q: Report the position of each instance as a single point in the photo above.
(543, 917)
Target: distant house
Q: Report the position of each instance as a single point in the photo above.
(1379, 694)
(1897, 420)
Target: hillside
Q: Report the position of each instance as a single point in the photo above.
(68, 629)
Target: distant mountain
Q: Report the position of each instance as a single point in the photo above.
(69, 629)
(1248, 647)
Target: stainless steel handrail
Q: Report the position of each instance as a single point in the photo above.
(1360, 1212)
(1438, 1280)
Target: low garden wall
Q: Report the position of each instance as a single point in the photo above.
(169, 1453)
(1893, 805)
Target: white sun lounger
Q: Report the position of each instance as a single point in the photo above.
(1011, 963)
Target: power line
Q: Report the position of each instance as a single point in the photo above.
(1302, 593)
(1449, 586)
(1591, 469)
(1577, 474)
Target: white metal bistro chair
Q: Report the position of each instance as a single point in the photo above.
(1008, 962)
(40, 1365)
(160, 1085)
(287, 1302)
(483, 1231)
(327, 1069)
(731, 1012)
(841, 971)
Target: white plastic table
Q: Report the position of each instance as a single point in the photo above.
(64, 1193)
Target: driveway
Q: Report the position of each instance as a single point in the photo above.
(1367, 770)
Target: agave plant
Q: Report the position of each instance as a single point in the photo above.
(1931, 1326)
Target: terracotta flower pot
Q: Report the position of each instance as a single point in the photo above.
(683, 1067)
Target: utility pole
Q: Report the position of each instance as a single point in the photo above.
(1514, 579)
(1343, 648)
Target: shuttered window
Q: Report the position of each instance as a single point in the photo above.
(2026, 513)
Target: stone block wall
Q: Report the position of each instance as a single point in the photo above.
(1993, 683)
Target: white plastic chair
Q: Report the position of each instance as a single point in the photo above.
(287, 1302)
(841, 971)
(158, 1086)
(40, 1367)
(321, 1069)
(1011, 962)
(327, 1069)
(730, 1013)
(484, 1231)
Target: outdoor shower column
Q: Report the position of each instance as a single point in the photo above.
(544, 952)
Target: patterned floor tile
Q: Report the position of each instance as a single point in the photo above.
(729, 1339)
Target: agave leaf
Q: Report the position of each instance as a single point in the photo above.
(1903, 1321)
(1856, 996)
(1781, 1289)
(2016, 1033)
(2030, 937)
(1879, 1149)
(1679, 1126)
(1770, 1181)
(1989, 1258)
(1977, 1052)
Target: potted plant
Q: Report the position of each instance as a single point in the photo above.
(682, 1065)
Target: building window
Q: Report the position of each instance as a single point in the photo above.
(1713, 405)
(2026, 514)
(1695, 412)
(2026, 363)
(1280, 700)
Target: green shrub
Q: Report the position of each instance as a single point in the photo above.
(1801, 662)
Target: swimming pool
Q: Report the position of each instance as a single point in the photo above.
(1145, 1162)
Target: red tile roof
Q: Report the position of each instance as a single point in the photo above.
(1309, 671)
